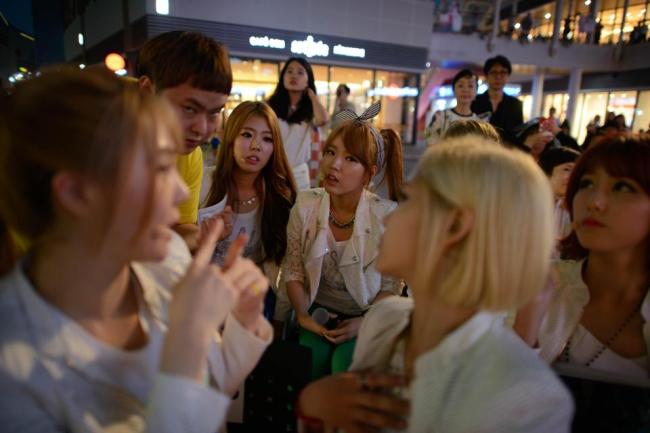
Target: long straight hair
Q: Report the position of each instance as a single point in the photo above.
(275, 183)
(279, 100)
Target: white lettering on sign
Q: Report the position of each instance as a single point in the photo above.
(266, 42)
(349, 51)
(394, 91)
(310, 48)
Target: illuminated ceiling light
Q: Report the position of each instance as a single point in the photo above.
(162, 7)
(81, 66)
(547, 15)
(587, 2)
(517, 26)
(12, 80)
(114, 62)
(428, 64)
(80, 38)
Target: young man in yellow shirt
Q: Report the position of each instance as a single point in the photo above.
(193, 72)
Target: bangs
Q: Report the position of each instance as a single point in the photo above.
(619, 157)
(357, 140)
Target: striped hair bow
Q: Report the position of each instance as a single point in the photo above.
(347, 115)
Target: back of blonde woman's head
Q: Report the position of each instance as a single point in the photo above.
(504, 259)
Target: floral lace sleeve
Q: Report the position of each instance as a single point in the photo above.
(391, 285)
(292, 265)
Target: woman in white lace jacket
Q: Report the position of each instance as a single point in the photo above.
(108, 323)
(332, 242)
(459, 241)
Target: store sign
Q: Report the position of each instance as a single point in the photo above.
(394, 92)
(349, 51)
(266, 42)
(307, 47)
(310, 48)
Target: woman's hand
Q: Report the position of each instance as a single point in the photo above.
(306, 322)
(321, 116)
(201, 301)
(226, 216)
(345, 331)
(356, 402)
(250, 282)
(312, 95)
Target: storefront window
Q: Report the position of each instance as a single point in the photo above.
(593, 104)
(320, 78)
(623, 103)
(611, 17)
(253, 80)
(398, 92)
(358, 80)
(527, 102)
(559, 101)
(642, 115)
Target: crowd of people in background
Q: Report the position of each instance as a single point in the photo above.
(441, 303)
(475, 17)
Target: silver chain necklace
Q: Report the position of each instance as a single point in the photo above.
(339, 224)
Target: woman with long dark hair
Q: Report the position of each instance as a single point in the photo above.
(297, 106)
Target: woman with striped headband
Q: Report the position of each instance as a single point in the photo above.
(333, 236)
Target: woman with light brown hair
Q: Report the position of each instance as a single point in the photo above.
(108, 323)
(252, 182)
(333, 236)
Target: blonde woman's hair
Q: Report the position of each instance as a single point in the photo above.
(461, 128)
(504, 259)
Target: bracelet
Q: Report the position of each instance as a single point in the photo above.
(307, 424)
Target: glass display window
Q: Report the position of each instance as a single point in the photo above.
(623, 103)
(589, 106)
(642, 114)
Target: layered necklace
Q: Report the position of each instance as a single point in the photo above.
(339, 224)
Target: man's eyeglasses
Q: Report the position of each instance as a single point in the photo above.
(503, 73)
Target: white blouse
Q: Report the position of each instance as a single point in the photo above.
(297, 138)
(582, 347)
(242, 223)
(565, 311)
(332, 292)
(480, 378)
(57, 377)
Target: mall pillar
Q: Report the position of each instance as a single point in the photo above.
(557, 21)
(575, 81)
(595, 8)
(626, 4)
(495, 25)
(538, 93)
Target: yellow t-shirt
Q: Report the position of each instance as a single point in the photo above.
(190, 167)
